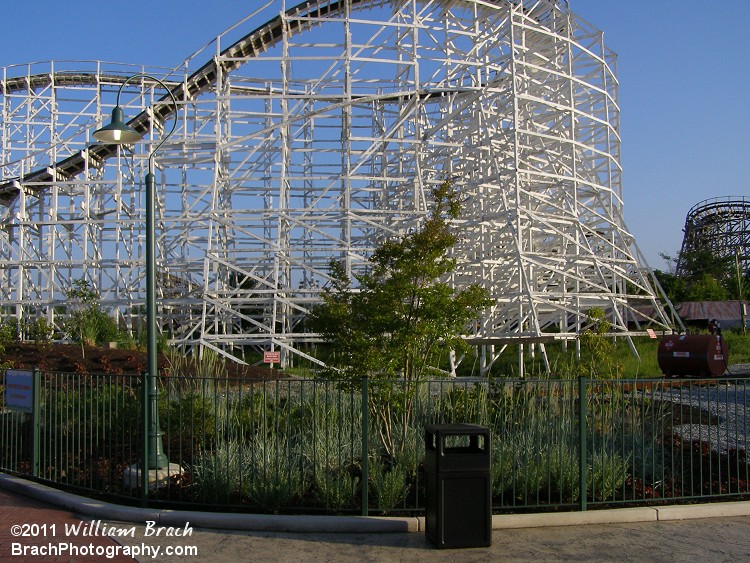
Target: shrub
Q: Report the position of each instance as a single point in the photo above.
(276, 478)
(37, 330)
(597, 350)
(336, 489)
(609, 471)
(191, 420)
(223, 474)
(389, 484)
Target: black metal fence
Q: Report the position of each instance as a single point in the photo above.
(319, 446)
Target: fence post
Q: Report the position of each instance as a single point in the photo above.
(36, 399)
(145, 423)
(365, 446)
(583, 467)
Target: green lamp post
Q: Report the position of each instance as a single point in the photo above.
(120, 133)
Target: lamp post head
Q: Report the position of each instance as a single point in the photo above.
(117, 132)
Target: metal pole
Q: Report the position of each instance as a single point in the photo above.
(118, 132)
(740, 297)
(365, 481)
(583, 467)
(145, 424)
(36, 397)
(156, 457)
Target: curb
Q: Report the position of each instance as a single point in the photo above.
(608, 516)
(355, 524)
(220, 520)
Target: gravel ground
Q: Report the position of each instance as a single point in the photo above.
(727, 402)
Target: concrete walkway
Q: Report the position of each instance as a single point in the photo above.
(707, 540)
(713, 532)
(33, 524)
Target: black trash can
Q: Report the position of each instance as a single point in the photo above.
(458, 497)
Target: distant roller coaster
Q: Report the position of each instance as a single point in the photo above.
(314, 136)
(720, 226)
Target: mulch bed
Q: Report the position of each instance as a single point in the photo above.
(70, 358)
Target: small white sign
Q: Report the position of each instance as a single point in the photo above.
(19, 389)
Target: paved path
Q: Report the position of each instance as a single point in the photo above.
(705, 540)
(21, 514)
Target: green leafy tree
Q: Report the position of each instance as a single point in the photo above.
(706, 287)
(673, 286)
(8, 331)
(708, 276)
(695, 264)
(8, 334)
(399, 318)
(698, 275)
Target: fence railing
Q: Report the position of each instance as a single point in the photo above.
(358, 447)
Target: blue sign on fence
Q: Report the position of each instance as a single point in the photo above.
(19, 389)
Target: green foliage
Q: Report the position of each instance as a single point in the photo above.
(706, 287)
(87, 323)
(465, 403)
(207, 365)
(739, 346)
(401, 317)
(301, 444)
(114, 408)
(674, 286)
(389, 484)
(189, 419)
(701, 275)
(37, 330)
(533, 437)
(85, 303)
(597, 350)
(276, 476)
(646, 364)
(550, 470)
(265, 474)
(222, 474)
(336, 489)
(609, 471)
(7, 335)
(563, 363)
(8, 332)
(696, 264)
(259, 413)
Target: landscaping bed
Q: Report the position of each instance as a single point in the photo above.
(72, 358)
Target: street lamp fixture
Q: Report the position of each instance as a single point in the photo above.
(120, 133)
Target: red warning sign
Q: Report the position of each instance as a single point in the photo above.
(272, 357)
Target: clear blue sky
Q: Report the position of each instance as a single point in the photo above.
(684, 69)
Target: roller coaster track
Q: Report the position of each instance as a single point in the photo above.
(318, 148)
(301, 18)
(719, 226)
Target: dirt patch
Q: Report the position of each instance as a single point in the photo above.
(70, 358)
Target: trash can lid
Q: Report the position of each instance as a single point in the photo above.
(457, 428)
